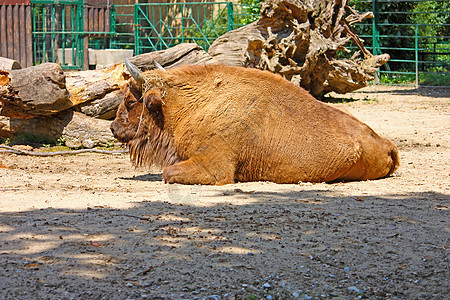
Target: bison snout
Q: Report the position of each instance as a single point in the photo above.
(112, 130)
(115, 130)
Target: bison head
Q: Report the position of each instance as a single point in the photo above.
(132, 117)
(125, 125)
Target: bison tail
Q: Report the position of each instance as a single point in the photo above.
(395, 160)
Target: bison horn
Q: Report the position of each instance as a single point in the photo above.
(158, 66)
(134, 71)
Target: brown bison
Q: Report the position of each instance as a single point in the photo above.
(217, 124)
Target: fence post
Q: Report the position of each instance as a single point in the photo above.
(375, 35)
(112, 16)
(136, 30)
(416, 48)
(182, 23)
(230, 16)
(84, 25)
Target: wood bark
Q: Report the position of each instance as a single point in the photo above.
(9, 64)
(182, 54)
(104, 108)
(76, 128)
(33, 91)
(300, 40)
(91, 85)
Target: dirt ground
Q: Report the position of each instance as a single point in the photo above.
(91, 226)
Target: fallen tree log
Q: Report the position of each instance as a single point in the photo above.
(75, 129)
(35, 91)
(9, 64)
(182, 54)
(104, 108)
(301, 41)
(91, 85)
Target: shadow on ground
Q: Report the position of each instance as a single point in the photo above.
(283, 245)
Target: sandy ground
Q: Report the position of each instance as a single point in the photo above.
(91, 226)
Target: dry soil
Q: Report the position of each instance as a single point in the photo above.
(91, 226)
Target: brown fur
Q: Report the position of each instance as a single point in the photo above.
(218, 124)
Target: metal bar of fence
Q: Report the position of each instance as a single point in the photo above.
(416, 53)
(230, 14)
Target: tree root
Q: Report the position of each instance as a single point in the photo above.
(69, 152)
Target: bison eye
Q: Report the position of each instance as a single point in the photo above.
(130, 104)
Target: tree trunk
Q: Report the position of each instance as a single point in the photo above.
(75, 128)
(300, 40)
(91, 85)
(104, 108)
(182, 54)
(9, 64)
(34, 91)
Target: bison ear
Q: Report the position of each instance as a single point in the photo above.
(153, 100)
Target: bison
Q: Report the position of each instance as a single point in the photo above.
(218, 124)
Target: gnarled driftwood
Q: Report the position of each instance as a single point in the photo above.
(300, 40)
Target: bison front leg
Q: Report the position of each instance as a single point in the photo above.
(200, 169)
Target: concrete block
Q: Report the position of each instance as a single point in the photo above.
(108, 57)
(68, 54)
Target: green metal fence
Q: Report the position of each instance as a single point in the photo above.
(123, 25)
(158, 26)
(416, 35)
(57, 32)
(64, 30)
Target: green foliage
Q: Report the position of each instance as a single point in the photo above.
(6, 141)
(399, 23)
(397, 78)
(409, 79)
(61, 141)
(249, 12)
(435, 79)
(435, 17)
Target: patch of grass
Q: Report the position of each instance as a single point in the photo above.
(110, 146)
(49, 148)
(61, 141)
(368, 100)
(409, 79)
(397, 78)
(435, 79)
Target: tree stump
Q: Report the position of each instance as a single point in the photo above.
(301, 40)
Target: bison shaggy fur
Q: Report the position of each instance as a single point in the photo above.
(221, 124)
